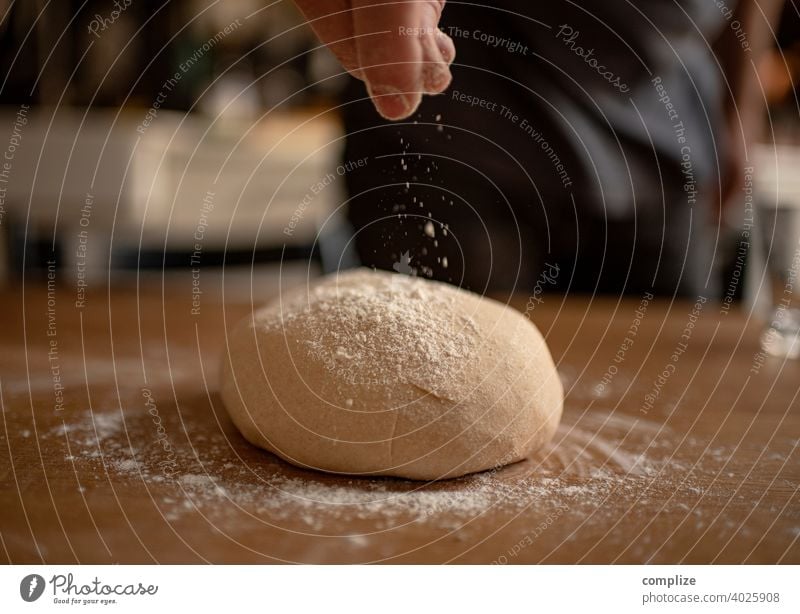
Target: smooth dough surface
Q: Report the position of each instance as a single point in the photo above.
(374, 373)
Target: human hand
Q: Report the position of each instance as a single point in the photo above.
(394, 47)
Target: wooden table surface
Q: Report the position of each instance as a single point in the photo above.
(679, 444)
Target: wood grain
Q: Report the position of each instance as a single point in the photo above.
(705, 471)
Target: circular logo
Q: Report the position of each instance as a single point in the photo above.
(31, 587)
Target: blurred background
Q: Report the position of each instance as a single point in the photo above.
(159, 137)
(165, 136)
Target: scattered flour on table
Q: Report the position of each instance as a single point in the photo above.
(95, 427)
(579, 473)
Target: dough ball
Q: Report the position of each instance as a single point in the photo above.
(376, 373)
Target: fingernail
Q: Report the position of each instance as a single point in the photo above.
(391, 103)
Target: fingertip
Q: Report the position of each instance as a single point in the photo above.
(446, 47)
(392, 103)
(436, 77)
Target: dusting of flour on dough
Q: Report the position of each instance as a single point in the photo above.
(372, 325)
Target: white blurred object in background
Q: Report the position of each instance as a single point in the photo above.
(178, 183)
(775, 269)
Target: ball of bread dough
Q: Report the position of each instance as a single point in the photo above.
(375, 373)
